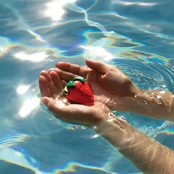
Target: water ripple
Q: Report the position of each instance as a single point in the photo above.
(135, 36)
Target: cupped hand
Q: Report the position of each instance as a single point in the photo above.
(51, 87)
(109, 85)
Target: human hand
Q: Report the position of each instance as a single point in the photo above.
(51, 88)
(109, 85)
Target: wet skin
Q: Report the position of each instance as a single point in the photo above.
(112, 91)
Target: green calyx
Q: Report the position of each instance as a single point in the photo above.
(79, 78)
(70, 84)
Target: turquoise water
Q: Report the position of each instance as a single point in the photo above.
(136, 36)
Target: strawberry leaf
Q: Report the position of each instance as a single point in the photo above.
(70, 84)
(81, 79)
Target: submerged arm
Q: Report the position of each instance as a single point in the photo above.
(152, 103)
(148, 155)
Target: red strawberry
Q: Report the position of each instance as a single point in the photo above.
(79, 91)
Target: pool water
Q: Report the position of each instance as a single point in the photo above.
(136, 36)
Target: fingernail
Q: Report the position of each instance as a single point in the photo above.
(52, 71)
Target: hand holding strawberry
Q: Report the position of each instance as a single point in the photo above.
(110, 88)
(108, 84)
(51, 88)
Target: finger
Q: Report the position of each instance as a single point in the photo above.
(59, 72)
(52, 69)
(50, 104)
(97, 66)
(58, 109)
(66, 76)
(57, 81)
(72, 68)
(43, 86)
(51, 85)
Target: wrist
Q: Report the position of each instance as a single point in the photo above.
(124, 103)
(114, 129)
(151, 103)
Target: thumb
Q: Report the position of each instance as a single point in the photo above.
(99, 66)
(45, 100)
(51, 105)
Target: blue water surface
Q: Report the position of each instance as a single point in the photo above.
(136, 36)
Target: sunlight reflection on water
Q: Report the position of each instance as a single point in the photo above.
(135, 36)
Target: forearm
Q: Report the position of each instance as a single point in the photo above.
(145, 153)
(152, 103)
